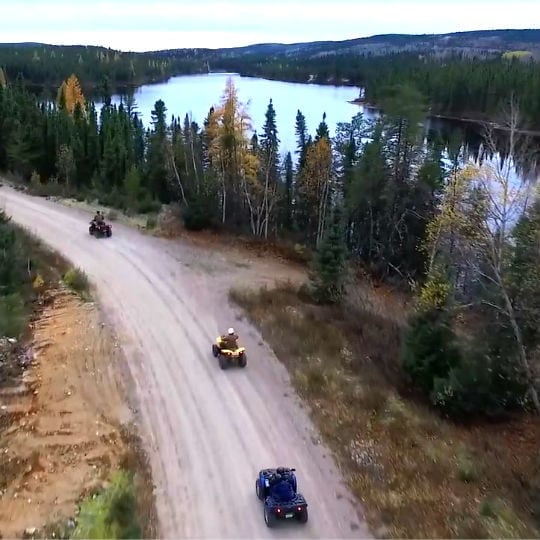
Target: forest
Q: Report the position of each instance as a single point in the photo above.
(454, 86)
(462, 238)
(452, 83)
(46, 66)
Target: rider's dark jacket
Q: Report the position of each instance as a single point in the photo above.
(282, 491)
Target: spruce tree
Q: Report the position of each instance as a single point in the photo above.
(269, 144)
(322, 130)
(288, 199)
(329, 270)
(301, 138)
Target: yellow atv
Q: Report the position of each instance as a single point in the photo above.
(226, 357)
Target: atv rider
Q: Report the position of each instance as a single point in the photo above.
(230, 340)
(98, 218)
(281, 488)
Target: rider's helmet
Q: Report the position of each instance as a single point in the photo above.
(280, 470)
(230, 331)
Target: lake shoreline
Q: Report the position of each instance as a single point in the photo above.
(481, 122)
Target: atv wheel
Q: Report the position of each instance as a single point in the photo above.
(269, 518)
(302, 516)
(242, 361)
(109, 233)
(215, 350)
(223, 362)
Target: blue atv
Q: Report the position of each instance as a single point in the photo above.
(278, 489)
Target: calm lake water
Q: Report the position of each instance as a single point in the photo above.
(195, 94)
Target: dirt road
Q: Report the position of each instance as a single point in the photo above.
(208, 431)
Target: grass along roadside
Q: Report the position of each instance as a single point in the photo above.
(167, 222)
(65, 436)
(417, 475)
(89, 202)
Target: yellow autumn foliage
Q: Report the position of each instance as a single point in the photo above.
(434, 293)
(227, 130)
(318, 167)
(452, 215)
(71, 92)
(38, 283)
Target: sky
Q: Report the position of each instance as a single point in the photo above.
(136, 25)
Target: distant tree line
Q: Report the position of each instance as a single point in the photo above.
(48, 65)
(453, 84)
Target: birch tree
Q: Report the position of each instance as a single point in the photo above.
(229, 150)
(475, 230)
(315, 187)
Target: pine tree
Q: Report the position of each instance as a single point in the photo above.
(66, 165)
(158, 158)
(322, 129)
(328, 279)
(288, 199)
(269, 144)
(302, 139)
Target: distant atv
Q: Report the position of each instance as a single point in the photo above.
(99, 230)
(227, 357)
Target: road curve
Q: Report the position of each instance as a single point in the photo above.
(207, 431)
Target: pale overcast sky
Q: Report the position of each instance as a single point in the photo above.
(149, 25)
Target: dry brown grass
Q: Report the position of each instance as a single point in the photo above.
(419, 476)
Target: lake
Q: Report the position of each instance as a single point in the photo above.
(195, 94)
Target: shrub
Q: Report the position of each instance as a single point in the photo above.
(35, 180)
(429, 348)
(112, 513)
(198, 215)
(151, 222)
(77, 280)
(482, 383)
(12, 315)
(327, 282)
(12, 261)
(466, 467)
(147, 205)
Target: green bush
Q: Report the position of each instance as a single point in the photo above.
(482, 383)
(113, 199)
(199, 214)
(147, 205)
(12, 261)
(77, 280)
(467, 470)
(151, 222)
(430, 349)
(327, 280)
(112, 513)
(12, 315)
